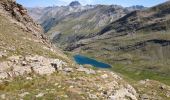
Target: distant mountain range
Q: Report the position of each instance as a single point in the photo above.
(71, 23)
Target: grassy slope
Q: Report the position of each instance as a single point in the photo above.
(135, 64)
(17, 42)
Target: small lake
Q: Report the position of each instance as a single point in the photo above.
(82, 60)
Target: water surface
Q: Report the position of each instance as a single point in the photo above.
(80, 59)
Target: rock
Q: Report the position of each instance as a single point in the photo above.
(91, 72)
(4, 66)
(56, 84)
(121, 94)
(42, 70)
(116, 76)
(144, 97)
(168, 94)
(105, 92)
(39, 95)
(3, 75)
(162, 87)
(19, 65)
(92, 96)
(68, 69)
(14, 58)
(87, 71)
(131, 89)
(28, 78)
(23, 63)
(65, 96)
(24, 94)
(104, 76)
(3, 96)
(21, 70)
(59, 86)
(71, 86)
(142, 81)
(3, 54)
(42, 65)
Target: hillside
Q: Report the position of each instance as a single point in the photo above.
(32, 68)
(153, 19)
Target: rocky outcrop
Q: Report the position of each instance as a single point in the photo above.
(19, 65)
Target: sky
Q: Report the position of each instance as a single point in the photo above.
(125, 3)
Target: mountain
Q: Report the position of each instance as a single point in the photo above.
(153, 19)
(50, 16)
(68, 24)
(135, 7)
(33, 68)
(74, 4)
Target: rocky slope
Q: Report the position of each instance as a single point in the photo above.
(32, 68)
(152, 19)
(50, 16)
(20, 38)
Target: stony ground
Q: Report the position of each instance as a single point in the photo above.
(43, 78)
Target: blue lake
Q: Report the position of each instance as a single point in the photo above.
(80, 59)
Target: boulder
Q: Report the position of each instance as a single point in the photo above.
(121, 94)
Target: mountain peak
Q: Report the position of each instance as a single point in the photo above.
(75, 4)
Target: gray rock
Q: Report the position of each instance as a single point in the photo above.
(121, 94)
(87, 71)
(19, 65)
(24, 94)
(104, 76)
(3, 54)
(168, 94)
(3, 96)
(39, 95)
(92, 96)
(68, 69)
(144, 97)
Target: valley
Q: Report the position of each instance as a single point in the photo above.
(84, 52)
(136, 42)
